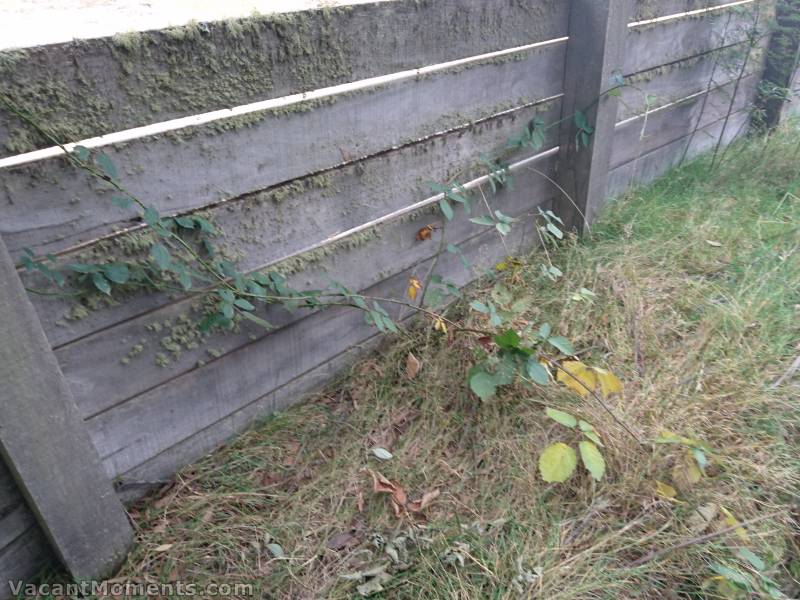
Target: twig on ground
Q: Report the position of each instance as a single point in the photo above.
(657, 554)
(790, 372)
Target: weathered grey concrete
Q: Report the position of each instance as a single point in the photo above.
(93, 87)
(783, 57)
(265, 226)
(45, 444)
(48, 205)
(594, 53)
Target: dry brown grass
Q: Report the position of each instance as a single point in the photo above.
(696, 331)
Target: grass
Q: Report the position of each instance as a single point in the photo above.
(697, 310)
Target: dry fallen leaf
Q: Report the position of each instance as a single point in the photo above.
(713, 243)
(399, 498)
(163, 547)
(414, 286)
(412, 366)
(424, 502)
(702, 517)
(686, 473)
(343, 541)
(485, 341)
(269, 478)
(381, 485)
(161, 527)
(425, 233)
(291, 450)
(168, 495)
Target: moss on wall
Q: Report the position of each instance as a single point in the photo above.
(87, 88)
(651, 9)
(171, 72)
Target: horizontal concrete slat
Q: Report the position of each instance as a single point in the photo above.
(653, 165)
(652, 9)
(26, 556)
(640, 136)
(18, 521)
(47, 206)
(9, 493)
(660, 86)
(86, 88)
(650, 46)
(151, 474)
(100, 380)
(264, 227)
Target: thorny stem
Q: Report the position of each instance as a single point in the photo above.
(566, 195)
(708, 90)
(433, 314)
(310, 301)
(222, 279)
(439, 250)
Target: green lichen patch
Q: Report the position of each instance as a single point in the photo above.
(137, 78)
(322, 181)
(135, 350)
(69, 108)
(301, 262)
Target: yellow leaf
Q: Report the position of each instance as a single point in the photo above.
(693, 472)
(414, 286)
(580, 372)
(665, 490)
(731, 521)
(670, 436)
(609, 383)
(592, 459)
(557, 462)
(439, 325)
(501, 266)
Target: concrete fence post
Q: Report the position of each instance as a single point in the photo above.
(597, 34)
(783, 56)
(45, 444)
